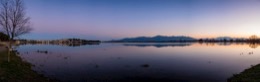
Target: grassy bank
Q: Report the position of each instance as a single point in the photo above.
(249, 75)
(13, 69)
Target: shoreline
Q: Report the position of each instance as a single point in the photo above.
(14, 69)
(248, 75)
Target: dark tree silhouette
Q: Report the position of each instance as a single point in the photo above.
(253, 38)
(13, 19)
(3, 37)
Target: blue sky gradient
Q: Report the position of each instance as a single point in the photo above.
(113, 19)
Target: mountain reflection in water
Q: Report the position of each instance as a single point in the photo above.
(139, 62)
(184, 44)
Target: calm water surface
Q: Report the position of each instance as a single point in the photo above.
(111, 62)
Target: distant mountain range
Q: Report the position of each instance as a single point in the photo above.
(158, 45)
(160, 38)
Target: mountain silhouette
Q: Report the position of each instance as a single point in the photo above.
(158, 39)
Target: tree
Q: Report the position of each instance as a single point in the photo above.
(13, 19)
(253, 38)
(3, 37)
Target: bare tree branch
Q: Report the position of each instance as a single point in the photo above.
(13, 18)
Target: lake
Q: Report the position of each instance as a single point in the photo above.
(139, 62)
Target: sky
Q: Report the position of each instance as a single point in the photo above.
(115, 19)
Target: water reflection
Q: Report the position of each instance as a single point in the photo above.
(254, 45)
(160, 45)
(141, 62)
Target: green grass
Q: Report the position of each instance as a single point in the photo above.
(249, 75)
(13, 69)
